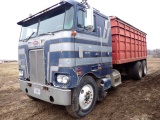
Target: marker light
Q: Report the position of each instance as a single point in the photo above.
(74, 33)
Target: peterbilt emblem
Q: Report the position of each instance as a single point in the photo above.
(35, 43)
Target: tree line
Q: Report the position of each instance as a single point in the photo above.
(154, 53)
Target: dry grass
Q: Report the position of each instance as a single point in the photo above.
(153, 59)
(9, 69)
(9, 76)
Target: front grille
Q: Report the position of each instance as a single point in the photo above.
(37, 70)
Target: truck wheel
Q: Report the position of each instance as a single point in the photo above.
(84, 97)
(144, 67)
(137, 70)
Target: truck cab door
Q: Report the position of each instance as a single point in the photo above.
(88, 44)
(97, 55)
(104, 34)
(99, 35)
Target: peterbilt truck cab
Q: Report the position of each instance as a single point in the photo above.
(65, 56)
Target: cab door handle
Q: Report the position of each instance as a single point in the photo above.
(97, 54)
(94, 68)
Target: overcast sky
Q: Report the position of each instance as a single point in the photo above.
(143, 14)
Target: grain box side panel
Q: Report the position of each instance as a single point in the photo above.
(128, 42)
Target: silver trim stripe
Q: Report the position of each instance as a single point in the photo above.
(53, 69)
(106, 59)
(48, 61)
(22, 43)
(106, 32)
(90, 38)
(21, 51)
(25, 67)
(61, 47)
(70, 62)
(70, 47)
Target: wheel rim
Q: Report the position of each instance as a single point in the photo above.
(140, 71)
(86, 97)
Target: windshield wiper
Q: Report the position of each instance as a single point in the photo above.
(48, 33)
(30, 36)
(25, 40)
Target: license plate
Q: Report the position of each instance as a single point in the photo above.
(37, 91)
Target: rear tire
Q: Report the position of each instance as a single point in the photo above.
(84, 98)
(137, 70)
(144, 68)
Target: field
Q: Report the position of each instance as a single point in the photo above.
(133, 100)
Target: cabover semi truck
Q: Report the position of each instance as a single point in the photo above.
(70, 54)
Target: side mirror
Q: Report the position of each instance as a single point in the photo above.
(90, 19)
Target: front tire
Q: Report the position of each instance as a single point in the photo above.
(84, 98)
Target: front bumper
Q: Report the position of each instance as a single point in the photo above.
(46, 93)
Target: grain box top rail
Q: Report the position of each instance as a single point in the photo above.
(122, 21)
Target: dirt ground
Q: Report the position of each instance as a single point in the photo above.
(133, 100)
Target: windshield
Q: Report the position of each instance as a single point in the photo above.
(59, 19)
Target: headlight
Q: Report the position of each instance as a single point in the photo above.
(21, 73)
(62, 79)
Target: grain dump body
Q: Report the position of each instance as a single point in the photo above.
(128, 42)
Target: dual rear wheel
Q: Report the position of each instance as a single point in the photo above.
(138, 70)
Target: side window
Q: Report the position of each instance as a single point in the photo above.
(80, 22)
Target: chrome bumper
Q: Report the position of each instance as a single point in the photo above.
(46, 93)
